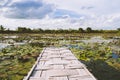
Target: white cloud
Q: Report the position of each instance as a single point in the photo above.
(27, 9)
(103, 22)
(99, 7)
(4, 2)
(53, 14)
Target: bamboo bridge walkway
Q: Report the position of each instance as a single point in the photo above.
(58, 64)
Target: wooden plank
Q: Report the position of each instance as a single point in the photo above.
(43, 67)
(62, 72)
(41, 62)
(61, 78)
(44, 74)
(74, 66)
(80, 78)
(58, 78)
(59, 64)
(36, 78)
(58, 67)
(82, 72)
(36, 73)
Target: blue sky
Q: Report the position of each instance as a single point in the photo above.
(55, 14)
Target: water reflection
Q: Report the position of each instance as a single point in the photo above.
(3, 45)
(115, 56)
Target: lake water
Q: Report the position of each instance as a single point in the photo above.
(97, 40)
(3, 45)
(115, 56)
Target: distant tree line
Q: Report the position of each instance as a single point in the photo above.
(39, 30)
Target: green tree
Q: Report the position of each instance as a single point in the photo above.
(2, 28)
(118, 29)
(88, 29)
(23, 29)
(81, 30)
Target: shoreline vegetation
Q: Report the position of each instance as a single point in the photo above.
(99, 50)
(55, 31)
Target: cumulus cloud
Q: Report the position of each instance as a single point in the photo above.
(4, 3)
(34, 9)
(27, 9)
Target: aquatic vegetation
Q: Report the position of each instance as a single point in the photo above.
(99, 60)
(16, 61)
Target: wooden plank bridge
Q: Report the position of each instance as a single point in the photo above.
(58, 64)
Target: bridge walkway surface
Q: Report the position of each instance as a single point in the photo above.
(58, 64)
